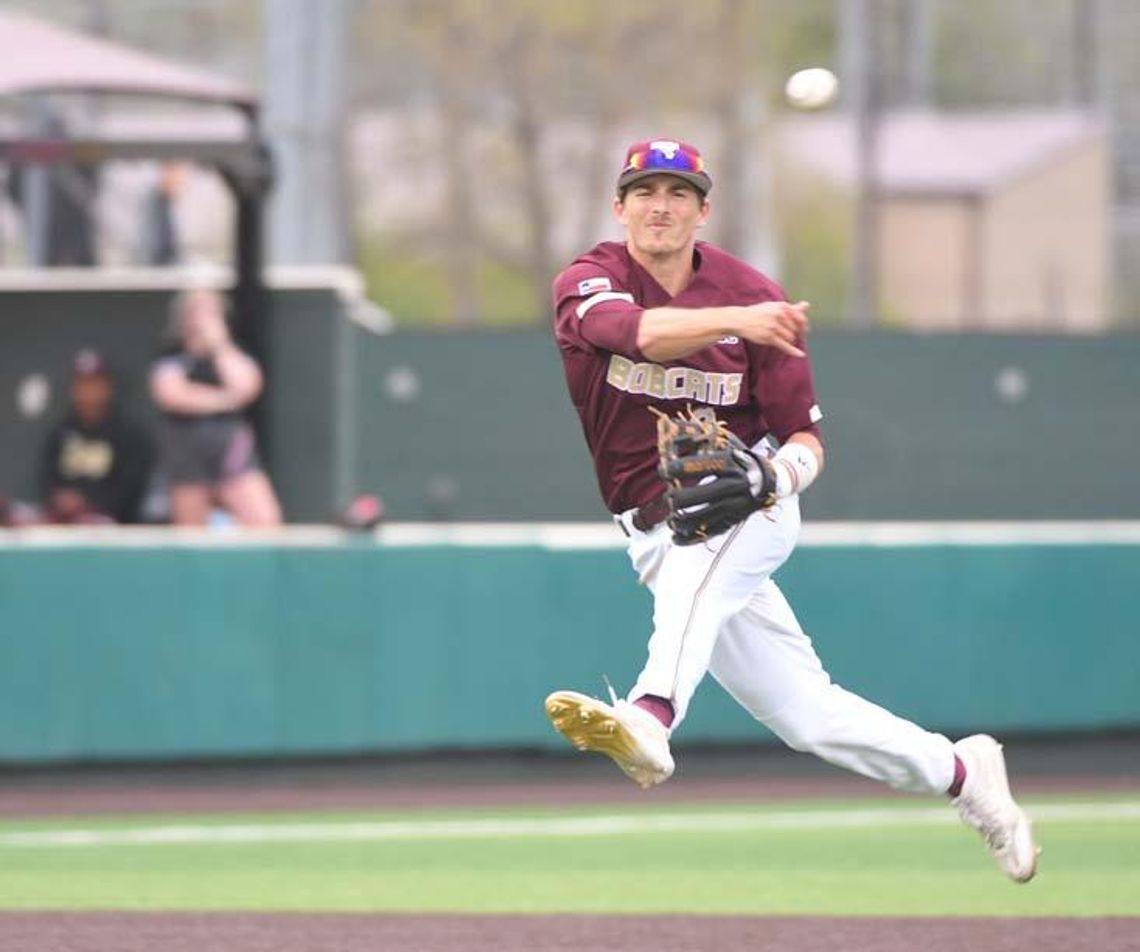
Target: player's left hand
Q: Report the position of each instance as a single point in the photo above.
(714, 480)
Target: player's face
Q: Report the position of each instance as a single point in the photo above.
(91, 397)
(661, 215)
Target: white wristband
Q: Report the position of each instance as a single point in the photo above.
(796, 466)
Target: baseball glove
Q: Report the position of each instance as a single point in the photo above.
(714, 480)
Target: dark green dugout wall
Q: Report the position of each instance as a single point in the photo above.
(916, 427)
(477, 425)
(129, 652)
(41, 330)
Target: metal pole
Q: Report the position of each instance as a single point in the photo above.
(857, 22)
(920, 52)
(1085, 45)
(35, 200)
(758, 194)
(306, 92)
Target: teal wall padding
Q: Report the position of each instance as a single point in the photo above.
(125, 652)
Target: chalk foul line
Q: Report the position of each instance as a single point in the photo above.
(603, 825)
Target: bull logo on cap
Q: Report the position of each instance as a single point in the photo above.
(666, 147)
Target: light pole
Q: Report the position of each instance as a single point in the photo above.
(860, 69)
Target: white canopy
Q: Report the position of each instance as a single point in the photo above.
(38, 57)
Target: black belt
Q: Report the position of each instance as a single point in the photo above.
(651, 514)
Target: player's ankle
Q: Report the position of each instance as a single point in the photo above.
(959, 777)
(659, 707)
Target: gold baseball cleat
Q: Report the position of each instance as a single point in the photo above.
(632, 738)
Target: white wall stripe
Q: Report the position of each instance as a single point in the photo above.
(602, 825)
(347, 282)
(572, 535)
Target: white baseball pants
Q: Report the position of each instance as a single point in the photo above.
(717, 609)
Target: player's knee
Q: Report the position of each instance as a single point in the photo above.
(802, 737)
(801, 727)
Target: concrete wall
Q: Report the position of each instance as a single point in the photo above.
(1046, 245)
(1032, 253)
(925, 261)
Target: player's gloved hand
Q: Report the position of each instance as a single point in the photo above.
(714, 480)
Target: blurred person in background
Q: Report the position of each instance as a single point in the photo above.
(60, 228)
(203, 385)
(161, 242)
(95, 464)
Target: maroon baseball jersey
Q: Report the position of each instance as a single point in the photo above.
(755, 389)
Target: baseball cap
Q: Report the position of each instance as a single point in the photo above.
(89, 363)
(664, 157)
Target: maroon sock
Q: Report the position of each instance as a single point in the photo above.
(959, 777)
(659, 707)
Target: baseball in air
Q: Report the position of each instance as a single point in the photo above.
(811, 88)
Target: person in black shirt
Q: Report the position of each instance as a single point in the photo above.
(95, 464)
(207, 446)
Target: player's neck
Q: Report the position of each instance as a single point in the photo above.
(672, 271)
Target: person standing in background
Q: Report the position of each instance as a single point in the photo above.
(161, 242)
(203, 387)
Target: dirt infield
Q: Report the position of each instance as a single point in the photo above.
(489, 780)
(239, 932)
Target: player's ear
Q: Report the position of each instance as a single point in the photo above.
(706, 210)
(619, 208)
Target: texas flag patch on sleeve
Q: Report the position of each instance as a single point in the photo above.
(593, 286)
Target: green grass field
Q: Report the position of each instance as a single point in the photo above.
(887, 857)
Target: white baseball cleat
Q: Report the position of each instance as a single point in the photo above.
(987, 805)
(634, 739)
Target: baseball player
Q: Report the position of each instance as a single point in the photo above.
(661, 322)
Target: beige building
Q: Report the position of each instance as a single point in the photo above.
(997, 220)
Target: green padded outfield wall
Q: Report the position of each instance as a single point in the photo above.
(917, 427)
(477, 425)
(184, 651)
